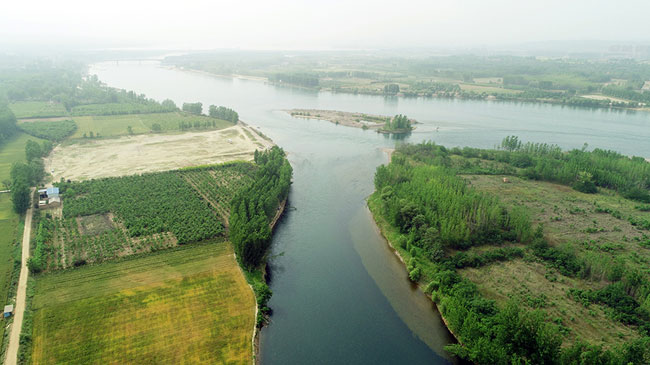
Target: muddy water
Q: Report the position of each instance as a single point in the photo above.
(340, 294)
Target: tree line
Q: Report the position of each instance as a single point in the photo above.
(25, 175)
(253, 208)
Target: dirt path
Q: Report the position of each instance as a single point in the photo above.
(14, 339)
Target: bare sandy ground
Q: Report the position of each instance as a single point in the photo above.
(147, 153)
(605, 97)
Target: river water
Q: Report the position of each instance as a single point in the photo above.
(339, 293)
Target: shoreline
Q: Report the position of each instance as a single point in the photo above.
(256, 331)
(487, 98)
(399, 256)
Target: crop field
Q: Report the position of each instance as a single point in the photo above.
(129, 155)
(185, 305)
(13, 151)
(598, 228)
(118, 125)
(218, 185)
(37, 109)
(111, 218)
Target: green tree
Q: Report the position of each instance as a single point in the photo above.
(33, 150)
(20, 197)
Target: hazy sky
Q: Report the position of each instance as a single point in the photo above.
(320, 24)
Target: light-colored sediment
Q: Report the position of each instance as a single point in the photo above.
(149, 153)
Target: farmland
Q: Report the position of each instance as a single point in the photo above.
(109, 218)
(37, 109)
(118, 125)
(186, 304)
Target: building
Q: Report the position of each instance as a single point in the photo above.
(9, 310)
(49, 197)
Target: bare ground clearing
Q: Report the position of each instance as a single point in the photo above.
(146, 153)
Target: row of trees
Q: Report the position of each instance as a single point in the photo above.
(398, 123)
(193, 108)
(24, 175)
(253, 208)
(224, 113)
(579, 168)
(7, 124)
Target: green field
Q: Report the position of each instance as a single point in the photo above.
(9, 231)
(187, 305)
(13, 151)
(117, 125)
(37, 109)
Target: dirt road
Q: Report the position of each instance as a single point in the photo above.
(19, 308)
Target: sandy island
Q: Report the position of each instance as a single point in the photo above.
(356, 120)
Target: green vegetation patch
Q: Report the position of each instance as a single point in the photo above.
(189, 304)
(121, 125)
(51, 130)
(515, 244)
(10, 233)
(144, 204)
(37, 109)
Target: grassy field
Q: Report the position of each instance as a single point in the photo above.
(188, 305)
(13, 151)
(37, 109)
(576, 222)
(117, 125)
(9, 230)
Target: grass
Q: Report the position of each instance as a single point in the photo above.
(576, 222)
(9, 232)
(13, 151)
(37, 109)
(117, 125)
(190, 304)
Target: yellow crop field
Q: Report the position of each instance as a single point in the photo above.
(186, 305)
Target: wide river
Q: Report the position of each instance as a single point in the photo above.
(339, 294)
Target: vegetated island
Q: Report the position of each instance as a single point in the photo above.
(382, 124)
(532, 254)
(125, 260)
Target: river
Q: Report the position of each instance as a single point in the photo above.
(339, 293)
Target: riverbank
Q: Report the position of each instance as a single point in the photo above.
(403, 255)
(263, 270)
